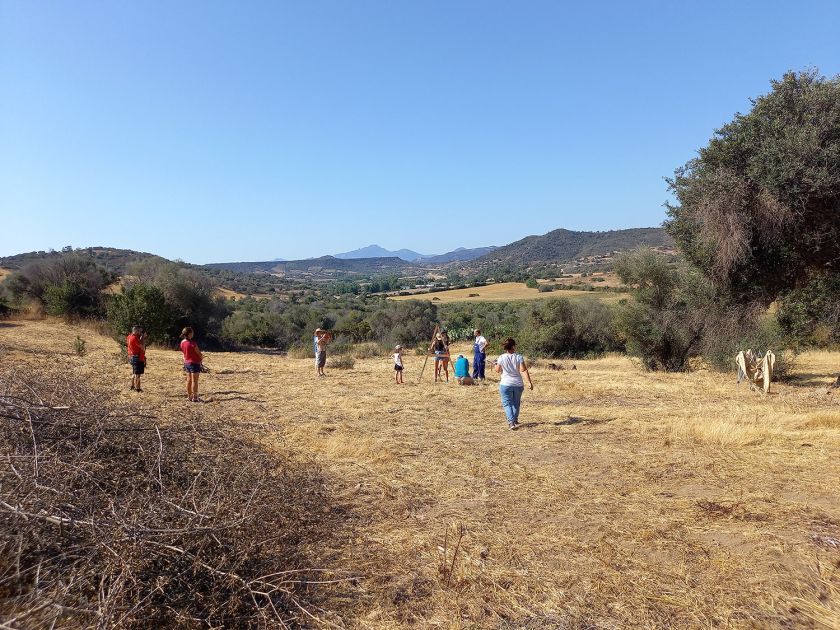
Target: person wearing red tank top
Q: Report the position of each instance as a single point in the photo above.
(135, 345)
(192, 363)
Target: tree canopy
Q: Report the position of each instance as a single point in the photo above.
(759, 209)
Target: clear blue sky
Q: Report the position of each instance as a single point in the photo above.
(221, 131)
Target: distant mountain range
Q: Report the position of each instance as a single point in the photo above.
(558, 246)
(375, 251)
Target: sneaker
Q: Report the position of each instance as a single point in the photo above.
(513, 426)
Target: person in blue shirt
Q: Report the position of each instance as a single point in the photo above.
(462, 370)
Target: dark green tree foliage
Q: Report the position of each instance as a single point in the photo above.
(665, 324)
(254, 328)
(408, 323)
(810, 314)
(497, 320)
(759, 208)
(188, 293)
(142, 305)
(560, 328)
(70, 298)
(63, 285)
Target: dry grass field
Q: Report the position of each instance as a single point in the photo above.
(596, 279)
(625, 500)
(505, 292)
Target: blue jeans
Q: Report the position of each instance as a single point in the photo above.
(511, 399)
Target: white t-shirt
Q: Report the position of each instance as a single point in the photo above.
(398, 359)
(482, 342)
(510, 369)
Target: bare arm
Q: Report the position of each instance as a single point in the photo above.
(523, 367)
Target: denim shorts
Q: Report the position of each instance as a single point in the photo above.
(137, 366)
(192, 368)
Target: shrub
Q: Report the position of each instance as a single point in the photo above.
(254, 329)
(301, 352)
(68, 285)
(79, 346)
(142, 305)
(810, 314)
(369, 350)
(69, 299)
(341, 346)
(665, 325)
(734, 330)
(561, 328)
(189, 294)
(343, 362)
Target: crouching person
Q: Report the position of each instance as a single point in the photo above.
(462, 370)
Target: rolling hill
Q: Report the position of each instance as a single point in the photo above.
(567, 245)
(111, 258)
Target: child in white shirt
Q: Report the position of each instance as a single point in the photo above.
(398, 365)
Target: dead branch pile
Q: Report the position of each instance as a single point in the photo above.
(112, 518)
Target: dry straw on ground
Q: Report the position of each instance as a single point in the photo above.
(628, 499)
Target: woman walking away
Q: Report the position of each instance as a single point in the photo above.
(192, 363)
(511, 366)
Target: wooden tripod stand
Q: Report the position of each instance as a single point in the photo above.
(429, 351)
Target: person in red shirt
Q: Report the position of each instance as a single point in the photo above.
(192, 363)
(136, 348)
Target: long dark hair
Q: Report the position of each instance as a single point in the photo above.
(509, 344)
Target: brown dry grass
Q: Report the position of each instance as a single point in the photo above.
(505, 292)
(627, 499)
(595, 278)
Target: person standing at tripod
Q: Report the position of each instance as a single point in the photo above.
(479, 355)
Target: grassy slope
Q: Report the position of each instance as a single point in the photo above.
(628, 499)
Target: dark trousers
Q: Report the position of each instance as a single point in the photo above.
(478, 364)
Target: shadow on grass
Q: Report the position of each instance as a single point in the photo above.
(810, 379)
(571, 420)
(9, 324)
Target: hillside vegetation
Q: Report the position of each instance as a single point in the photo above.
(567, 245)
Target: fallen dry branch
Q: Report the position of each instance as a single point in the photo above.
(111, 518)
